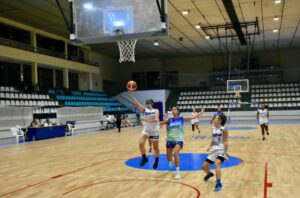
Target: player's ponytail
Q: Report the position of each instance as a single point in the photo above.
(223, 119)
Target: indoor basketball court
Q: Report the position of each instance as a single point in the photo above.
(131, 98)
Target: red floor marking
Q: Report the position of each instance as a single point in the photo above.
(55, 177)
(126, 180)
(266, 184)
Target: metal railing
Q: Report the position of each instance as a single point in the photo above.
(16, 44)
(39, 50)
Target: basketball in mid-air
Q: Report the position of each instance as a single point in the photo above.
(131, 85)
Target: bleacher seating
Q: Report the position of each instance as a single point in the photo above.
(277, 96)
(9, 96)
(207, 99)
(87, 98)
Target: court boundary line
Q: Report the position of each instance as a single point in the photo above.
(266, 183)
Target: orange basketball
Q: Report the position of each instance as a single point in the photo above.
(131, 85)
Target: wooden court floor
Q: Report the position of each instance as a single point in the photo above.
(93, 165)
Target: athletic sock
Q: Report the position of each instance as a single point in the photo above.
(177, 169)
(144, 156)
(156, 163)
(219, 181)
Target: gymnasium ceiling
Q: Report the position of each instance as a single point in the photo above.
(44, 14)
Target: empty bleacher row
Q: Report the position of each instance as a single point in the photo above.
(9, 96)
(114, 109)
(277, 96)
(207, 99)
(29, 103)
(7, 89)
(101, 104)
(85, 93)
(82, 98)
(86, 98)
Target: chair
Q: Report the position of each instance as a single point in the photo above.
(18, 132)
(71, 126)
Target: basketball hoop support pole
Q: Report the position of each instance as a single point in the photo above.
(69, 26)
(71, 17)
(161, 8)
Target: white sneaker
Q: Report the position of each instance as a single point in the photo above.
(178, 175)
(171, 163)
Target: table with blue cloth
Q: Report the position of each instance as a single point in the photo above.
(45, 132)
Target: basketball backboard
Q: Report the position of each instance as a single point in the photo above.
(241, 85)
(99, 21)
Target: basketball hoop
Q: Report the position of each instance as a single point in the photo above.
(126, 47)
(127, 50)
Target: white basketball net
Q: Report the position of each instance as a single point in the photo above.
(127, 50)
(237, 93)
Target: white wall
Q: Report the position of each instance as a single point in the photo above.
(109, 69)
(83, 81)
(142, 96)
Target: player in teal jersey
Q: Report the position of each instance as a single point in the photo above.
(175, 137)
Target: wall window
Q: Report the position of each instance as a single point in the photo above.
(73, 81)
(140, 79)
(45, 78)
(172, 79)
(13, 33)
(153, 80)
(10, 74)
(49, 43)
(59, 79)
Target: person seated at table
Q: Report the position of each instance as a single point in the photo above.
(35, 123)
(47, 122)
(111, 120)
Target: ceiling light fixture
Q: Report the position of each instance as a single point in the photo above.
(197, 26)
(156, 43)
(88, 6)
(275, 30)
(207, 37)
(185, 12)
(277, 1)
(276, 18)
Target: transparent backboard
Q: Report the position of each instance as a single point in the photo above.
(99, 21)
(241, 85)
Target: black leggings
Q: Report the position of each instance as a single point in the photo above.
(119, 125)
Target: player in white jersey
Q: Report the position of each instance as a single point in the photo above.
(263, 118)
(195, 121)
(169, 113)
(150, 130)
(218, 150)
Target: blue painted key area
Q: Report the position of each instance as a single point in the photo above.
(188, 162)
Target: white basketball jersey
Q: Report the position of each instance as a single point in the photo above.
(195, 120)
(263, 115)
(170, 115)
(150, 126)
(217, 138)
